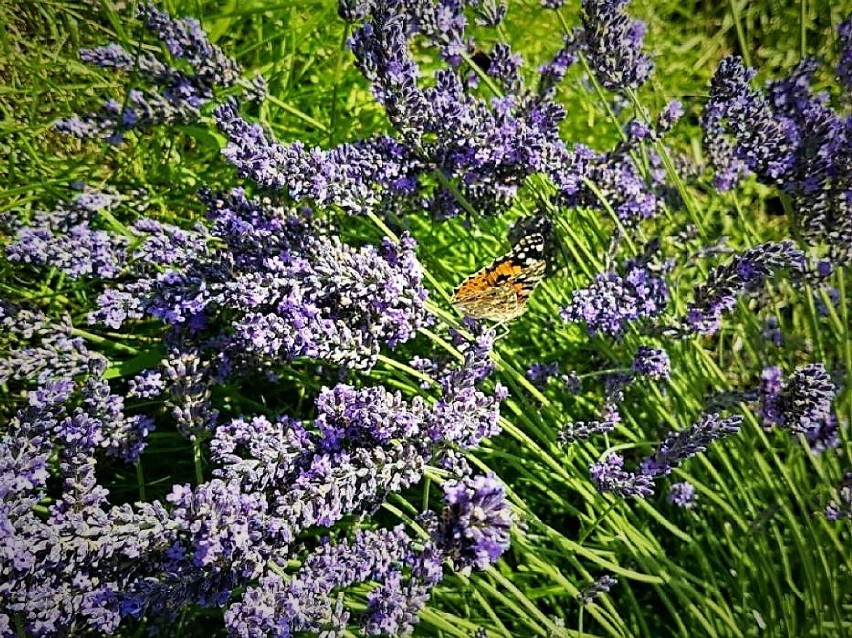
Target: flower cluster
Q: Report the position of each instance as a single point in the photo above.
(609, 474)
(63, 568)
(41, 348)
(613, 44)
(474, 528)
(289, 290)
(597, 587)
(166, 94)
(682, 494)
(802, 404)
(745, 273)
(787, 137)
(653, 363)
(614, 300)
(65, 238)
(274, 480)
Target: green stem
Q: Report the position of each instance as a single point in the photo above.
(196, 460)
(88, 336)
(741, 38)
(337, 68)
(140, 479)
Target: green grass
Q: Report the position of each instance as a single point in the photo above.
(755, 557)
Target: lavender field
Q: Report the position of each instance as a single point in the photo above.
(445, 318)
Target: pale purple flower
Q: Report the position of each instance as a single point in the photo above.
(609, 475)
(67, 238)
(682, 495)
(741, 134)
(42, 348)
(474, 528)
(612, 300)
(166, 94)
(541, 373)
(744, 274)
(653, 363)
(597, 587)
(679, 446)
(612, 43)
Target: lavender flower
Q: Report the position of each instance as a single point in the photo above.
(64, 238)
(805, 401)
(745, 273)
(669, 116)
(60, 570)
(771, 383)
(357, 177)
(652, 362)
(287, 290)
(474, 529)
(40, 348)
(553, 71)
(682, 445)
(609, 475)
(541, 373)
(844, 67)
(577, 430)
(168, 95)
(841, 507)
(761, 144)
(613, 300)
(682, 495)
(597, 587)
(789, 138)
(305, 602)
(826, 436)
(613, 45)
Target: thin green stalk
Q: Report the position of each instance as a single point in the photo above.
(115, 345)
(140, 480)
(338, 66)
(741, 37)
(196, 460)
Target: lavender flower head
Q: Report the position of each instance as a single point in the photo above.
(474, 528)
(67, 238)
(741, 133)
(771, 383)
(682, 495)
(805, 401)
(613, 44)
(597, 587)
(167, 94)
(42, 348)
(540, 373)
(609, 475)
(745, 273)
(682, 445)
(653, 363)
(277, 288)
(844, 67)
(612, 300)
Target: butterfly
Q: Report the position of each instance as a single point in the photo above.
(499, 291)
